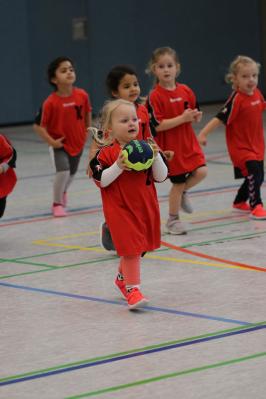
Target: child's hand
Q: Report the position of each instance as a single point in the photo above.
(154, 146)
(121, 162)
(58, 143)
(1, 169)
(198, 116)
(169, 155)
(202, 139)
(189, 115)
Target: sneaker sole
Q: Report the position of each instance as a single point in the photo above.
(257, 217)
(241, 210)
(182, 233)
(140, 304)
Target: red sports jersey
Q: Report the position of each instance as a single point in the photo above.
(8, 179)
(66, 116)
(130, 206)
(167, 104)
(242, 115)
(144, 122)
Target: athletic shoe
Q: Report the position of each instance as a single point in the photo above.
(58, 211)
(241, 207)
(106, 238)
(120, 284)
(64, 202)
(258, 213)
(185, 203)
(175, 227)
(135, 299)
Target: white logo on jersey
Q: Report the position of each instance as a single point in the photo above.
(69, 104)
(173, 100)
(255, 102)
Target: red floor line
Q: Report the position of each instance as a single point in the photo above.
(201, 255)
(33, 220)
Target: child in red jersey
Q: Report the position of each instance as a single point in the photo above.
(242, 116)
(8, 177)
(122, 82)
(173, 108)
(129, 198)
(62, 122)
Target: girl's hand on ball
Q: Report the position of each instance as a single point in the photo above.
(121, 162)
(154, 146)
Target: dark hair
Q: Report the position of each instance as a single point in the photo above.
(115, 76)
(52, 67)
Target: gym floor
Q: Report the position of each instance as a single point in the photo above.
(65, 331)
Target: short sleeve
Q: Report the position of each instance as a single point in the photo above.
(230, 110)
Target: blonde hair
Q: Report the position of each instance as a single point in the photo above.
(234, 68)
(100, 134)
(156, 54)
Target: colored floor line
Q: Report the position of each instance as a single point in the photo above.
(166, 376)
(194, 262)
(98, 260)
(220, 260)
(97, 208)
(122, 303)
(130, 354)
(201, 255)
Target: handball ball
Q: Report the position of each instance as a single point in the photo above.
(139, 155)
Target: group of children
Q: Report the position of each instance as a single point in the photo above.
(130, 204)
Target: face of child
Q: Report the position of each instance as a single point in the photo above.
(166, 70)
(64, 75)
(246, 78)
(128, 88)
(124, 123)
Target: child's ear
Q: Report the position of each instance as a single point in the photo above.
(115, 94)
(54, 80)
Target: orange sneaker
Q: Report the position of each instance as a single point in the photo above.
(120, 284)
(242, 207)
(135, 299)
(258, 213)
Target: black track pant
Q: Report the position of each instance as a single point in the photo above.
(250, 189)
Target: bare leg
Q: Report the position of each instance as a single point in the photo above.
(197, 176)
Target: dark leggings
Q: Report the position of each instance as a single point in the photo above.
(250, 189)
(2, 206)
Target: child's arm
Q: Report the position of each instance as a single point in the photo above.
(93, 149)
(159, 169)
(189, 115)
(212, 125)
(56, 143)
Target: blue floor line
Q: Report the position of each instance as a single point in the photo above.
(130, 355)
(123, 303)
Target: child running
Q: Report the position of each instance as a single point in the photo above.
(173, 108)
(62, 122)
(8, 177)
(242, 116)
(129, 198)
(122, 82)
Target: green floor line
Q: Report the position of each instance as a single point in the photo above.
(217, 225)
(24, 262)
(48, 269)
(47, 254)
(114, 355)
(167, 376)
(242, 236)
